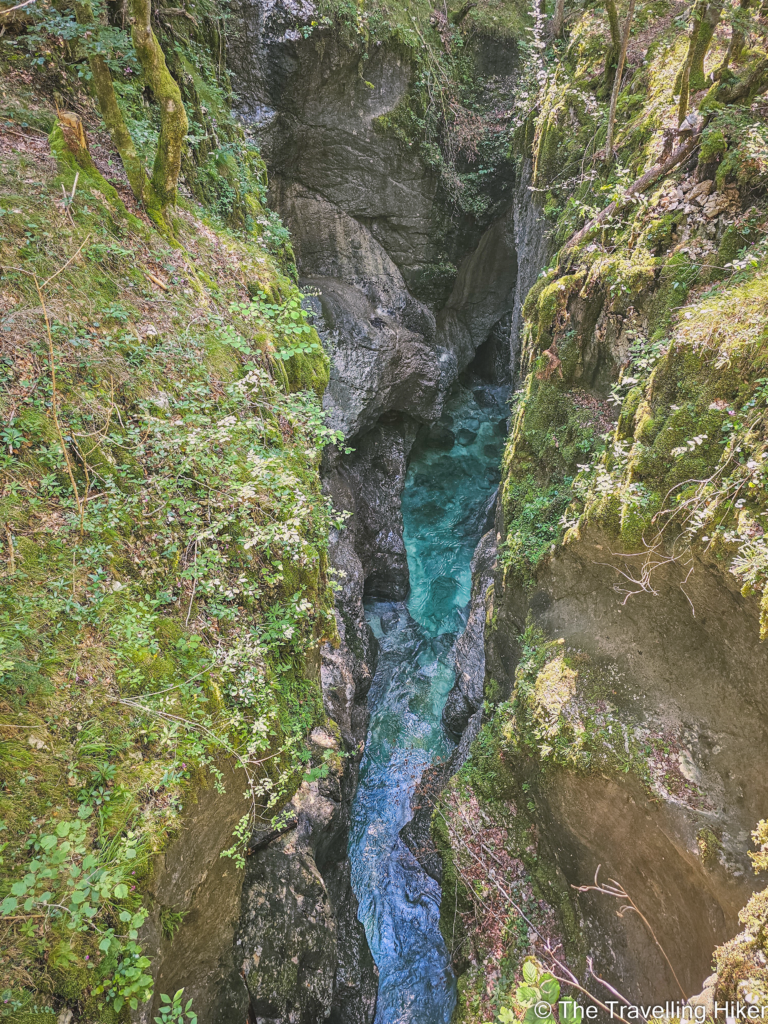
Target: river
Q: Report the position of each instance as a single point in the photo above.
(444, 500)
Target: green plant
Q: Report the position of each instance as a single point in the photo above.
(170, 921)
(287, 319)
(172, 1011)
(538, 997)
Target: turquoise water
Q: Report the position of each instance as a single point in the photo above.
(444, 512)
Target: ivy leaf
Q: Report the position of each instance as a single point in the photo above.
(19, 888)
(9, 904)
(63, 828)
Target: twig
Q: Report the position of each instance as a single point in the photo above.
(17, 7)
(194, 587)
(10, 131)
(605, 984)
(66, 204)
(157, 281)
(61, 269)
(615, 889)
(11, 559)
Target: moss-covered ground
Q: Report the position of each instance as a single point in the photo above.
(164, 584)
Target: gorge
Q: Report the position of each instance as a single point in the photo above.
(383, 602)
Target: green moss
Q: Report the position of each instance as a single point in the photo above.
(733, 241)
(197, 566)
(677, 276)
(709, 846)
(713, 145)
(87, 169)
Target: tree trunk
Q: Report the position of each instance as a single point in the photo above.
(101, 79)
(613, 23)
(173, 117)
(700, 41)
(613, 50)
(558, 20)
(617, 82)
(705, 18)
(736, 45)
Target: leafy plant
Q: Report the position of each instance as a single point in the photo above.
(287, 319)
(172, 1011)
(538, 997)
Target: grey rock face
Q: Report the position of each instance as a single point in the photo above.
(697, 680)
(368, 220)
(317, 120)
(466, 695)
(300, 946)
(377, 364)
(369, 483)
(483, 294)
(191, 877)
(532, 247)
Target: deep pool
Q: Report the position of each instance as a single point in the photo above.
(444, 512)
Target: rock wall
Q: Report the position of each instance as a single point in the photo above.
(686, 670)
(369, 220)
(280, 941)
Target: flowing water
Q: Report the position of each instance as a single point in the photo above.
(445, 505)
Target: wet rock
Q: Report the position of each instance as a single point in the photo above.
(484, 397)
(441, 437)
(467, 693)
(465, 437)
(389, 620)
(371, 480)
